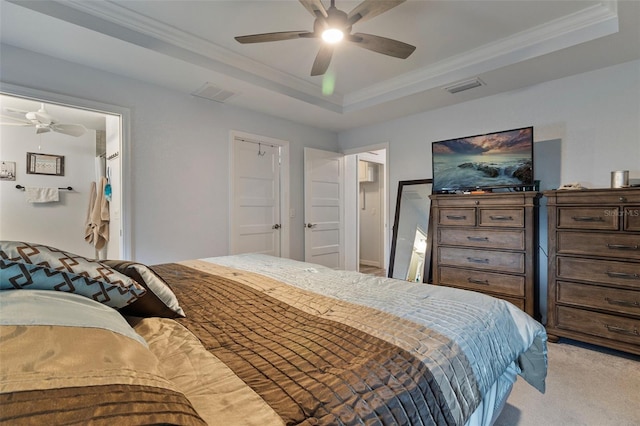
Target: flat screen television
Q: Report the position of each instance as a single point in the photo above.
(484, 162)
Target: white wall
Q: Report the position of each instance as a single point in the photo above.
(179, 155)
(60, 224)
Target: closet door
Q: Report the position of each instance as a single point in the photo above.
(255, 217)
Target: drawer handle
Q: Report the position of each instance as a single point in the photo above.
(501, 217)
(456, 217)
(480, 239)
(587, 218)
(622, 330)
(477, 260)
(623, 275)
(623, 247)
(475, 281)
(622, 303)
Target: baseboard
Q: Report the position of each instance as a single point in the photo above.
(373, 263)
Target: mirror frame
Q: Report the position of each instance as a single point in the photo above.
(426, 273)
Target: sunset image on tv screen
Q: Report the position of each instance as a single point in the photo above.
(484, 161)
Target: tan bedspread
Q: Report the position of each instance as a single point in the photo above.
(312, 359)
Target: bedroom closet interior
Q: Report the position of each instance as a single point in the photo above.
(371, 218)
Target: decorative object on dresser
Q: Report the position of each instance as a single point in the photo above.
(488, 243)
(594, 267)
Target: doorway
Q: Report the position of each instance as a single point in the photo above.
(87, 155)
(370, 214)
(367, 210)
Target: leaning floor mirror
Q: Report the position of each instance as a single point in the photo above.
(410, 258)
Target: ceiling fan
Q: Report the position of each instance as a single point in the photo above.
(42, 121)
(334, 25)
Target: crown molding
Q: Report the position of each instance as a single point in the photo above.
(282, 82)
(588, 24)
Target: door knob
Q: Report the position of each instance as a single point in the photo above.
(276, 226)
(310, 225)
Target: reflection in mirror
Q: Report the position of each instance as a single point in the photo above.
(411, 245)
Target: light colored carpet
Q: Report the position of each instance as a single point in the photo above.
(586, 385)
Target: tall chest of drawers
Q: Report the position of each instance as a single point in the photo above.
(594, 267)
(488, 243)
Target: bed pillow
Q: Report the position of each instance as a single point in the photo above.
(42, 307)
(76, 361)
(159, 301)
(39, 267)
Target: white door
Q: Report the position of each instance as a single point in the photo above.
(323, 208)
(255, 215)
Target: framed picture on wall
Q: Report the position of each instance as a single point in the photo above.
(45, 164)
(7, 170)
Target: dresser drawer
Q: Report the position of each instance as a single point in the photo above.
(496, 199)
(622, 246)
(605, 298)
(622, 274)
(607, 196)
(599, 218)
(453, 217)
(512, 218)
(481, 259)
(632, 218)
(598, 324)
(481, 238)
(508, 285)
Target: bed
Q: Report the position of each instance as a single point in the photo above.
(250, 340)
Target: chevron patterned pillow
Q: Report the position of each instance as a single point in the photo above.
(39, 267)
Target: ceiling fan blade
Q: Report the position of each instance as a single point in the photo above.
(42, 129)
(315, 7)
(261, 38)
(371, 8)
(323, 59)
(16, 124)
(16, 111)
(19, 121)
(383, 45)
(69, 129)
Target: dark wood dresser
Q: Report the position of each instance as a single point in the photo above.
(488, 243)
(594, 267)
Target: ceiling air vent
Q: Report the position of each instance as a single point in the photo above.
(464, 85)
(213, 93)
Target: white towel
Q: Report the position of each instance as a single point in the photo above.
(41, 195)
(97, 223)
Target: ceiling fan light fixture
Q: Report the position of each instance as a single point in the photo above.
(333, 25)
(332, 35)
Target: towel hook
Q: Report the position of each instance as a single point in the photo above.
(260, 152)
